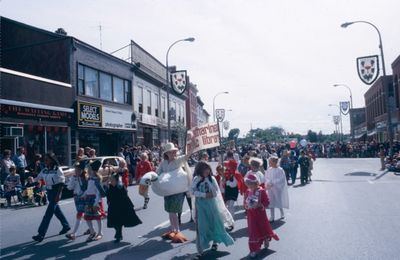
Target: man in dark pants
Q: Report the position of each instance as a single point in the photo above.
(54, 179)
(304, 165)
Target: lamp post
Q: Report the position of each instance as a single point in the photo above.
(220, 93)
(340, 118)
(222, 129)
(191, 39)
(351, 107)
(385, 85)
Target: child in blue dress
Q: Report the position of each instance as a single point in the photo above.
(211, 212)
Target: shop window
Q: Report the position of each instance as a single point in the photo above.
(139, 97)
(118, 90)
(81, 80)
(91, 82)
(163, 109)
(148, 101)
(105, 87)
(155, 104)
(127, 92)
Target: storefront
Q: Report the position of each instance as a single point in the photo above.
(104, 128)
(38, 128)
(148, 133)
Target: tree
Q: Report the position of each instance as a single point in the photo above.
(312, 136)
(233, 134)
(61, 31)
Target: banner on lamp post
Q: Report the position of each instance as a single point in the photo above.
(368, 68)
(202, 137)
(345, 107)
(179, 82)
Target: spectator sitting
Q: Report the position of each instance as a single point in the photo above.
(12, 185)
(39, 195)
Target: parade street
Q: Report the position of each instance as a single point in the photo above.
(349, 211)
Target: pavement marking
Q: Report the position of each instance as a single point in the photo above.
(65, 202)
(165, 223)
(371, 182)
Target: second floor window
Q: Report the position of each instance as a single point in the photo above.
(97, 84)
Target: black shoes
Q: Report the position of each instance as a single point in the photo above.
(117, 240)
(38, 238)
(64, 230)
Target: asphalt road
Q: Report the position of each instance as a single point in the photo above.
(349, 211)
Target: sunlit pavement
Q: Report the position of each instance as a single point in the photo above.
(349, 211)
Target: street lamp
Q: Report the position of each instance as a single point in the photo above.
(191, 39)
(385, 85)
(336, 126)
(351, 107)
(220, 93)
(340, 118)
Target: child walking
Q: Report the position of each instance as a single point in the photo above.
(255, 202)
(92, 197)
(276, 185)
(78, 185)
(211, 212)
(121, 212)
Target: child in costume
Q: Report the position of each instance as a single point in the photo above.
(276, 185)
(143, 166)
(92, 197)
(233, 186)
(255, 202)
(211, 212)
(255, 165)
(78, 185)
(121, 211)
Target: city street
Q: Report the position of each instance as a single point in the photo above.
(348, 211)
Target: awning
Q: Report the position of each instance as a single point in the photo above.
(371, 133)
(359, 135)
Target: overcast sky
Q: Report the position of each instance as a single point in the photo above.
(277, 59)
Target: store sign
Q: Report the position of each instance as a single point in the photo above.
(20, 112)
(118, 119)
(149, 120)
(89, 115)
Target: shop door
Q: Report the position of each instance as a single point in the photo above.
(148, 137)
(108, 144)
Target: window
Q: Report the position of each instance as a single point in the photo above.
(81, 80)
(105, 87)
(140, 99)
(98, 84)
(118, 90)
(148, 101)
(155, 104)
(163, 107)
(91, 82)
(127, 92)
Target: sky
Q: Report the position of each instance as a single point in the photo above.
(277, 59)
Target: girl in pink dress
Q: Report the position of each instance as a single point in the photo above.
(255, 202)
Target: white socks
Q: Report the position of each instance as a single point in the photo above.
(77, 223)
(230, 204)
(100, 226)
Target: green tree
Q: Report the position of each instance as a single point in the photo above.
(312, 136)
(233, 134)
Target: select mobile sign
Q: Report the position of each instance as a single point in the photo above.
(89, 115)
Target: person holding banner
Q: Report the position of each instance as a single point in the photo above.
(173, 203)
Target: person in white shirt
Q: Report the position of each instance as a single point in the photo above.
(276, 186)
(54, 179)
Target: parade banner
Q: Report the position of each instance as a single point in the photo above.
(368, 68)
(202, 137)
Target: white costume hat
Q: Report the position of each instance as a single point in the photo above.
(169, 147)
(256, 159)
